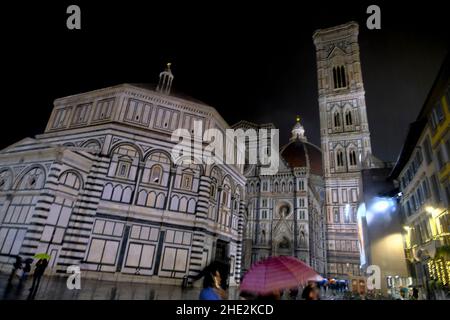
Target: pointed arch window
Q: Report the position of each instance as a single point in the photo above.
(337, 119)
(343, 78)
(335, 81)
(352, 156)
(348, 118)
(340, 158)
(339, 77)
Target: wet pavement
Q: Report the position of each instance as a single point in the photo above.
(55, 288)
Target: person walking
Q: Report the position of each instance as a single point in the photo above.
(211, 287)
(39, 270)
(25, 272)
(310, 292)
(415, 293)
(212, 282)
(17, 265)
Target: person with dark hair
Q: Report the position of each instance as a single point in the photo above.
(212, 283)
(310, 292)
(415, 294)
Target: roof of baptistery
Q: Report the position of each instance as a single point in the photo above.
(300, 153)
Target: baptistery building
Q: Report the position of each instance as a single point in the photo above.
(100, 190)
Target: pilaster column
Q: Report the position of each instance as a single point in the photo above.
(196, 261)
(239, 251)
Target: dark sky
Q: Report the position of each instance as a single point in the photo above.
(254, 62)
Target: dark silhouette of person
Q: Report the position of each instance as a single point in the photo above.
(39, 270)
(293, 293)
(311, 292)
(23, 278)
(17, 265)
(415, 294)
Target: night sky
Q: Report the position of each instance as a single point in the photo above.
(254, 62)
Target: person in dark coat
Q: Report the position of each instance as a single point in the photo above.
(39, 270)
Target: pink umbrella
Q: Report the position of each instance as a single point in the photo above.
(277, 273)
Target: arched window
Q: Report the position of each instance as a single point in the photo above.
(107, 192)
(212, 193)
(352, 156)
(123, 167)
(343, 79)
(335, 78)
(340, 158)
(156, 174)
(339, 77)
(142, 198)
(348, 118)
(337, 119)
(126, 195)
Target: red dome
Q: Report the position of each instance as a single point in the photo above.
(297, 152)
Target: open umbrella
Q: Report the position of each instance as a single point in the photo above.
(277, 273)
(42, 256)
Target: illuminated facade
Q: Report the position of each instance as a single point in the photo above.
(422, 172)
(345, 142)
(99, 189)
(285, 210)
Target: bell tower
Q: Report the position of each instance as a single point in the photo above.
(345, 141)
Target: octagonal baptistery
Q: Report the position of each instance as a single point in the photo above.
(99, 189)
(285, 215)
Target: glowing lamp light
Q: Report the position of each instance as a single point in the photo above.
(381, 205)
(433, 211)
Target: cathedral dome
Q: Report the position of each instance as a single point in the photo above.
(300, 153)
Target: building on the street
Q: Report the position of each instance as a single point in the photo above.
(345, 142)
(422, 171)
(99, 189)
(381, 231)
(285, 210)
